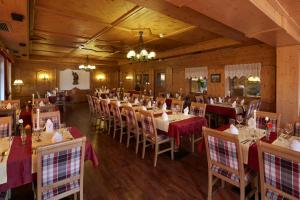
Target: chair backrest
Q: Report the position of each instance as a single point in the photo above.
(250, 111)
(279, 172)
(53, 116)
(38, 100)
(297, 128)
(134, 96)
(177, 103)
(273, 117)
(15, 103)
(105, 108)
(46, 108)
(258, 104)
(198, 109)
(199, 99)
(223, 151)
(160, 101)
(116, 112)
(5, 126)
(148, 125)
(90, 102)
(60, 169)
(97, 106)
(131, 120)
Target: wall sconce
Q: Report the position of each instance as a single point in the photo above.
(100, 77)
(18, 83)
(44, 77)
(129, 77)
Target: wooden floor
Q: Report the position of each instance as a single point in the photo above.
(124, 175)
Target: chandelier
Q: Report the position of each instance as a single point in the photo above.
(87, 66)
(142, 54)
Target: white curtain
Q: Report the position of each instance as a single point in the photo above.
(196, 72)
(239, 70)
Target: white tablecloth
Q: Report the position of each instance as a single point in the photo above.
(5, 145)
(164, 125)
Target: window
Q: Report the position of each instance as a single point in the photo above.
(2, 78)
(245, 86)
(198, 85)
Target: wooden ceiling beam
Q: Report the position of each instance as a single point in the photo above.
(199, 47)
(60, 34)
(193, 17)
(74, 60)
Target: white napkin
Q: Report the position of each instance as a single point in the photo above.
(165, 116)
(168, 95)
(49, 94)
(164, 107)
(143, 108)
(136, 101)
(233, 130)
(41, 103)
(108, 100)
(233, 104)
(8, 106)
(149, 104)
(220, 100)
(107, 91)
(49, 126)
(211, 101)
(295, 145)
(186, 111)
(176, 95)
(129, 104)
(242, 102)
(252, 123)
(125, 98)
(118, 103)
(115, 98)
(57, 137)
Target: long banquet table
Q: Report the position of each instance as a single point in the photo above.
(19, 162)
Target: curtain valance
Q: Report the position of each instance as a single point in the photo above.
(196, 72)
(239, 70)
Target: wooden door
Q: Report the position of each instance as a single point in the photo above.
(160, 82)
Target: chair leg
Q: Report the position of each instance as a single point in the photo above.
(172, 149)
(137, 143)
(156, 154)
(121, 134)
(115, 129)
(144, 148)
(75, 196)
(242, 193)
(109, 126)
(256, 186)
(193, 143)
(128, 138)
(209, 194)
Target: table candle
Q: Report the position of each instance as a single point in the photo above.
(38, 119)
(32, 99)
(254, 116)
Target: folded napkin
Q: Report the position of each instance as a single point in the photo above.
(49, 94)
(168, 95)
(49, 126)
(233, 104)
(107, 91)
(211, 101)
(8, 106)
(164, 107)
(233, 130)
(242, 102)
(136, 101)
(143, 108)
(252, 123)
(129, 104)
(57, 137)
(118, 103)
(186, 111)
(41, 103)
(108, 100)
(165, 116)
(295, 145)
(115, 97)
(176, 95)
(125, 98)
(220, 100)
(149, 104)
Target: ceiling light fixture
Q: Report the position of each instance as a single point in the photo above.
(87, 66)
(142, 54)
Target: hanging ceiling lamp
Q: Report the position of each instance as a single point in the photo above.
(142, 54)
(87, 66)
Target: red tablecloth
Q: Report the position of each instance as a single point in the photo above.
(26, 116)
(221, 111)
(168, 102)
(19, 161)
(186, 127)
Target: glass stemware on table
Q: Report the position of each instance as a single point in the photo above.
(239, 119)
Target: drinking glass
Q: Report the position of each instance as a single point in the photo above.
(288, 129)
(239, 119)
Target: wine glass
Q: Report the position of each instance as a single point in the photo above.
(288, 129)
(239, 119)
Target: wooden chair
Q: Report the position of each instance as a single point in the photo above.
(177, 103)
(279, 172)
(150, 135)
(225, 162)
(197, 109)
(107, 117)
(160, 101)
(133, 129)
(273, 117)
(60, 169)
(5, 126)
(91, 106)
(15, 103)
(53, 116)
(38, 100)
(46, 108)
(98, 114)
(119, 123)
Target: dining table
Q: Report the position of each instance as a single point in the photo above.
(10, 112)
(19, 164)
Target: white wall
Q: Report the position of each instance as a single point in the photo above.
(66, 79)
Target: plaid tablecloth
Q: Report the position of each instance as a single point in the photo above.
(20, 158)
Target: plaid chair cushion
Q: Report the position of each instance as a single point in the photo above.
(105, 108)
(249, 174)
(43, 120)
(282, 174)
(116, 113)
(274, 196)
(198, 111)
(297, 129)
(148, 127)
(223, 151)
(59, 166)
(261, 123)
(131, 119)
(4, 130)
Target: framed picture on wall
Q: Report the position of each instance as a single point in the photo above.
(215, 78)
